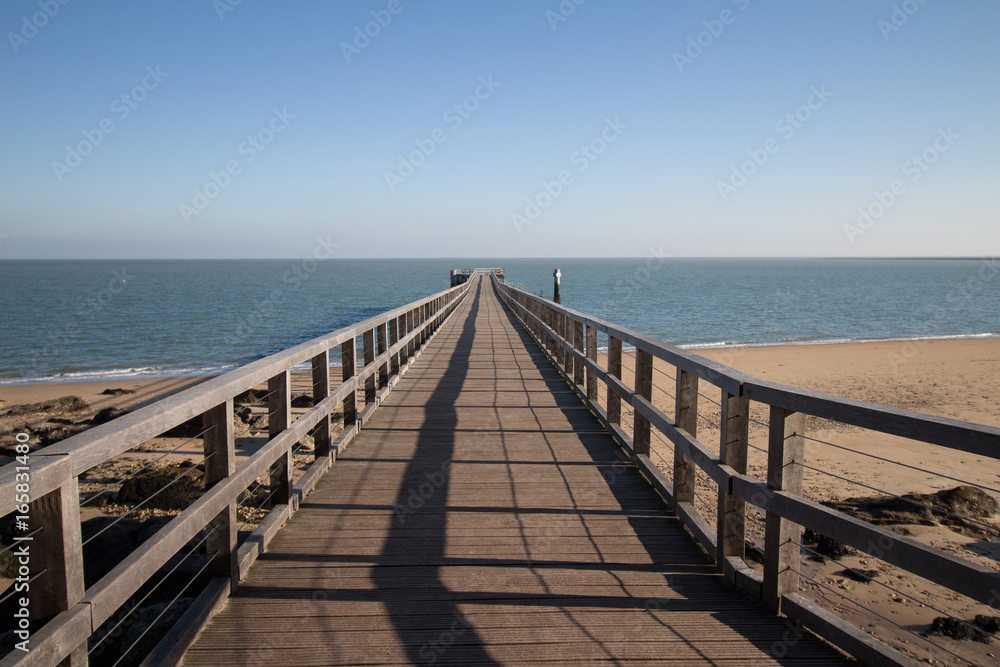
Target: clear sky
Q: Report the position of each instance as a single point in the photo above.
(505, 128)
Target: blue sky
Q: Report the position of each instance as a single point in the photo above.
(727, 128)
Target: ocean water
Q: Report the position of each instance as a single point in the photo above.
(73, 320)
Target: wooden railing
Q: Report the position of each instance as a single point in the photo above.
(389, 343)
(569, 338)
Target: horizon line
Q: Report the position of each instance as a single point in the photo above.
(466, 258)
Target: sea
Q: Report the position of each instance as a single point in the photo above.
(63, 321)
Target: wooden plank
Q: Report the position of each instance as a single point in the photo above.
(733, 450)
(643, 389)
(56, 641)
(521, 540)
(839, 632)
(960, 575)
(592, 356)
(170, 650)
(686, 419)
(615, 370)
(220, 463)
(56, 550)
(951, 433)
(783, 538)
(320, 390)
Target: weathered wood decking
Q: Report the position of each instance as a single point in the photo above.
(483, 516)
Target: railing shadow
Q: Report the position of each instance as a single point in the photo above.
(432, 456)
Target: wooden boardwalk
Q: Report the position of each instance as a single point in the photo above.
(483, 516)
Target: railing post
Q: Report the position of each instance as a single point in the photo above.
(643, 388)
(782, 538)
(279, 408)
(578, 344)
(567, 332)
(381, 336)
(56, 550)
(560, 328)
(614, 370)
(321, 389)
(733, 445)
(349, 368)
(592, 355)
(368, 350)
(686, 417)
(393, 329)
(220, 462)
(409, 329)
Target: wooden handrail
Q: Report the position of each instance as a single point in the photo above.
(391, 341)
(557, 329)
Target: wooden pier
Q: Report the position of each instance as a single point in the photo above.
(484, 516)
(490, 499)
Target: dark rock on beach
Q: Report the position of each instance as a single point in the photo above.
(860, 576)
(826, 547)
(107, 543)
(174, 490)
(192, 428)
(107, 414)
(990, 624)
(50, 434)
(945, 626)
(116, 392)
(248, 397)
(950, 507)
(303, 401)
(62, 405)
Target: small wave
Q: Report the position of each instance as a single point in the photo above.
(832, 341)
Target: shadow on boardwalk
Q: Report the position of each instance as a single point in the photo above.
(483, 516)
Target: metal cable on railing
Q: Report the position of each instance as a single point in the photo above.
(208, 562)
(710, 400)
(663, 372)
(257, 509)
(870, 610)
(903, 465)
(146, 499)
(147, 465)
(208, 533)
(664, 391)
(903, 498)
(903, 595)
(17, 589)
(23, 538)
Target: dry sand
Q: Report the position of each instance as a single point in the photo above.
(950, 378)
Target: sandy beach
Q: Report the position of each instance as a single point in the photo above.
(954, 378)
